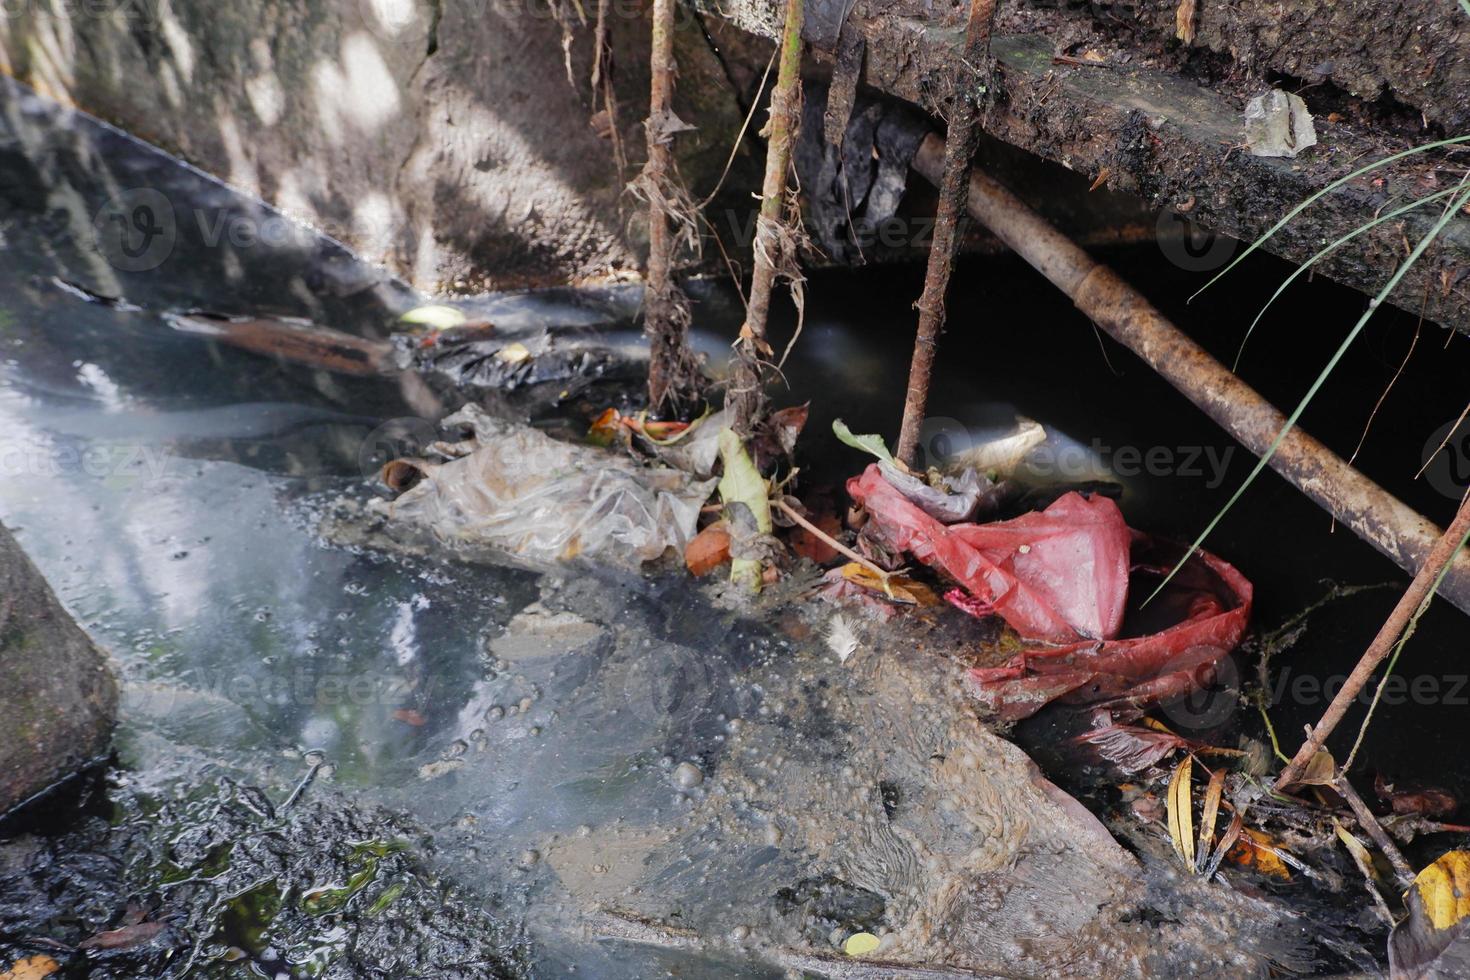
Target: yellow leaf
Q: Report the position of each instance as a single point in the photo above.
(1207, 819)
(1444, 889)
(1357, 849)
(860, 944)
(896, 587)
(1181, 811)
(31, 968)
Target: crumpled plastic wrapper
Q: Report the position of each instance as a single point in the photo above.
(515, 489)
(1277, 124)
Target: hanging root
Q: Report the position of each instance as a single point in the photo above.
(602, 88)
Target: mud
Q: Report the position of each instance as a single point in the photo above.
(785, 798)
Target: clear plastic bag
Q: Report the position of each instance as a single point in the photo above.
(515, 489)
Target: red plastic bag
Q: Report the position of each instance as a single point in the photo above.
(1058, 575)
(1062, 576)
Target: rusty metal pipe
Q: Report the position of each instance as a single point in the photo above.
(1373, 514)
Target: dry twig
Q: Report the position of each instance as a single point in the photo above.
(774, 243)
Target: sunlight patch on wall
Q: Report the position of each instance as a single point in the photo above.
(362, 92)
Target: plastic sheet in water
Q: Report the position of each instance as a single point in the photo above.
(514, 489)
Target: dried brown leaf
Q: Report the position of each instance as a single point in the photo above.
(708, 550)
(1208, 818)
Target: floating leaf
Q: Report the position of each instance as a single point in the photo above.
(514, 353)
(437, 317)
(127, 937)
(860, 944)
(871, 443)
(1181, 811)
(1207, 819)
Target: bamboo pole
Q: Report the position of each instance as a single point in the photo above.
(746, 393)
(1375, 515)
(954, 188)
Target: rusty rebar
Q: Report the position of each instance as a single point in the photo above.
(959, 147)
(1371, 512)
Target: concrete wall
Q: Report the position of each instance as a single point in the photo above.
(442, 138)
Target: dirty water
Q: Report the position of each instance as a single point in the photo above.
(476, 754)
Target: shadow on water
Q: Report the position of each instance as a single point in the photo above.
(170, 490)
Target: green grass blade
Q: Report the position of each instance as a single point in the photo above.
(1324, 192)
(1377, 301)
(1325, 251)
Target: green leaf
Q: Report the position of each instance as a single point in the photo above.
(871, 443)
